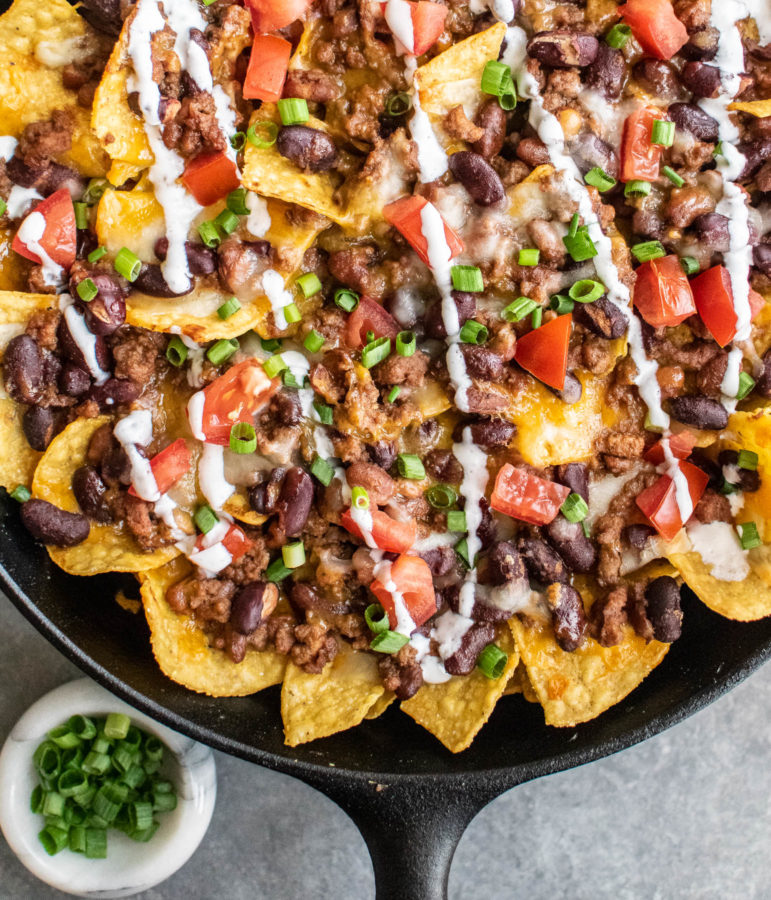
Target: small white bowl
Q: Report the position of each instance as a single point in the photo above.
(130, 867)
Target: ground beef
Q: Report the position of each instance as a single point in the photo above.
(251, 566)
(709, 378)
(401, 674)
(37, 283)
(136, 514)
(136, 354)
(41, 141)
(206, 598)
(458, 125)
(312, 84)
(608, 616)
(354, 267)
(403, 370)
(315, 646)
(42, 327)
(194, 129)
(608, 529)
(713, 507)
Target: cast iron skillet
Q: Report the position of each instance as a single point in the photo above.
(410, 797)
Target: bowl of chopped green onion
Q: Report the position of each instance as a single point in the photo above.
(98, 799)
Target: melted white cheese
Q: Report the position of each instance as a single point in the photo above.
(718, 545)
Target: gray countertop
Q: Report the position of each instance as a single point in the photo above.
(687, 814)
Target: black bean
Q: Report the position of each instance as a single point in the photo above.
(569, 540)
(478, 177)
(115, 466)
(748, 480)
(761, 258)
(247, 606)
(504, 563)
(662, 597)
(73, 380)
(755, 153)
(700, 412)
(486, 432)
(638, 536)
(602, 317)
(442, 465)
(72, 351)
(608, 72)
(472, 644)
(114, 392)
(104, 15)
(482, 362)
(700, 79)
(107, 311)
(763, 384)
(89, 491)
(40, 426)
(702, 44)
(201, 260)
(658, 78)
(590, 151)
(264, 496)
(150, 281)
(562, 48)
(382, 453)
(441, 560)
(466, 305)
(568, 616)
(576, 477)
(307, 148)
(294, 501)
(23, 369)
(51, 525)
(571, 391)
(45, 178)
(693, 119)
(543, 564)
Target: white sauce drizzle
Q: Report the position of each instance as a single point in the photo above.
(7, 146)
(19, 199)
(398, 16)
(718, 545)
(84, 338)
(258, 221)
(405, 624)
(211, 476)
(195, 358)
(279, 297)
(133, 431)
(195, 407)
(31, 232)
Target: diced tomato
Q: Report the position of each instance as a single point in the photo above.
(658, 503)
(714, 299)
(411, 576)
(757, 303)
(427, 24)
(234, 397)
(389, 534)
(527, 497)
(662, 292)
(60, 234)
(268, 63)
(369, 315)
(543, 352)
(680, 444)
(235, 542)
(169, 465)
(404, 215)
(210, 177)
(639, 157)
(655, 26)
(270, 15)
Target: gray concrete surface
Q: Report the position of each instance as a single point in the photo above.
(685, 815)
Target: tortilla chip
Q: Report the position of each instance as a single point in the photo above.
(519, 683)
(380, 705)
(237, 505)
(759, 108)
(33, 35)
(576, 687)
(315, 706)
(183, 652)
(108, 548)
(753, 432)
(455, 710)
(131, 219)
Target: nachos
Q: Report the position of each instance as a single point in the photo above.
(405, 351)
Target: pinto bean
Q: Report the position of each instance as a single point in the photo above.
(504, 563)
(307, 148)
(700, 79)
(543, 564)
(376, 481)
(39, 425)
(658, 78)
(23, 369)
(89, 491)
(533, 151)
(662, 597)
(51, 525)
(72, 351)
(114, 392)
(487, 432)
(492, 119)
(150, 281)
(482, 363)
(107, 311)
(700, 412)
(472, 644)
(576, 477)
(569, 540)
(466, 305)
(608, 72)
(693, 119)
(687, 203)
(562, 49)
(568, 616)
(294, 501)
(442, 465)
(602, 317)
(253, 603)
(590, 151)
(755, 153)
(478, 177)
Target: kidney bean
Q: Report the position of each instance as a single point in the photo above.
(114, 392)
(285, 408)
(478, 177)
(638, 535)
(763, 384)
(104, 15)
(702, 80)
(569, 540)
(700, 412)
(382, 453)
(442, 465)
(73, 380)
(747, 479)
(662, 597)
(441, 560)
(608, 72)
(115, 465)
(658, 78)
(493, 119)
(761, 258)
(562, 49)
(307, 148)
(504, 564)
(51, 525)
(304, 598)
(691, 118)
(487, 531)
(755, 154)
(576, 477)
(150, 281)
(543, 564)
(294, 501)
(23, 369)
(201, 260)
(264, 496)
(481, 611)
(253, 603)
(376, 481)
(72, 351)
(482, 363)
(466, 305)
(472, 644)
(702, 44)
(533, 151)
(712, 230)
(89, 491)
(107, 311)
(571, 391)
(601, 317)
(590, 151)
(486, 432)
(568, 616)
(39, 425)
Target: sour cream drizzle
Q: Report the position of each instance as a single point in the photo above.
(30, 233)
(84, 338)
(133, 431)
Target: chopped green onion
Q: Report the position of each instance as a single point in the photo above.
(36, 799)
(393, 393)
(3, 207)
(575, 508)
(670, 173)
(322, 470)
(529, 257)
(176, 351)
(441, 496)
(53, 804)
(346, 299)
(47, 760)
(227, 220)
(586, 528)
(270, 345)
(153, 748)
(236, 202)
(96, 843)
(637, 188)
(648, 250)
(388, 642)
(536, 317)
(293, 555)
(116, 726)
(586, 291)
(748, 536)
(238, 140)
(292, 314)
(205, 518)
(410, 466)
(262, 134)
(497, 80)
(663, 133)
(580, 246)
(243, 438)
(81, 215)
(64, 737)
(122, 758)
(87, 290)
(209, 233)
(20, 494)
(228, 309)
(746, 384)
(147, 834)
(461, 549)
(728, 488)
(288, 379)
(77, 839)
(273, 365)
(398, 104)
(600, 179)
(689, 265)
(324, 412)
(277, 571)
(82, 726)
(375, 352)
(518, 309)
(96, 187)
(96, 255)
(359, 497)
(573, 226)
(141, 815)
(309, 284)
(293, 110)
(473, 332)
(127, 264)
(456, 520)
(467, 278)
(492, 661)
(53, 840)
(376, 618)
(222, 350)
(101, 744)
(747, 459)
(72, 782)
(618, 36)
(96, 763)
(718, 151)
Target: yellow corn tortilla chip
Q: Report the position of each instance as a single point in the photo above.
(752, 431)
(455, 710)
(36, 39)
(519, 683)
(759, 108)
(576, 687)
(183, 652)
(130, 219)
(380, 705)
(316, 706)
(237, 506)
(108, 548)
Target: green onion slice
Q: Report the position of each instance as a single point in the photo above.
(227, 221)
(689, 264)
(670, 173)
(529, 257)
(322, 470)
(410, 466)
(324, 412)
(20, 493)
(127, 264)
(600, 179)
(243, 438)
(473, 332)
(313, 341)
(648, 250)
(663, 133)
(205, 519)
(293, 110)
(376, 618)
(441, 496)
(209, 233)
(375, 352)
(518, 309)
(176, 351)
(262, 133)
(277, 571)
(467, 278)
(637, 188)
(229, 308)
(575, 508)
(398, 104)
(406, 343)
(293, 554)
(393, 393)
(586, 291)
(536, 317)
(388, 642)
(456, 520)
(618, 36)
(359, 497)
(580, 246)
(238, 140)
(96, 255)
(236, 202)
(221, 351)
(346, 299)
(747, 459)
(309, 284)
(748, 536)
(492, 661)
(273, 365)
(746, 384)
